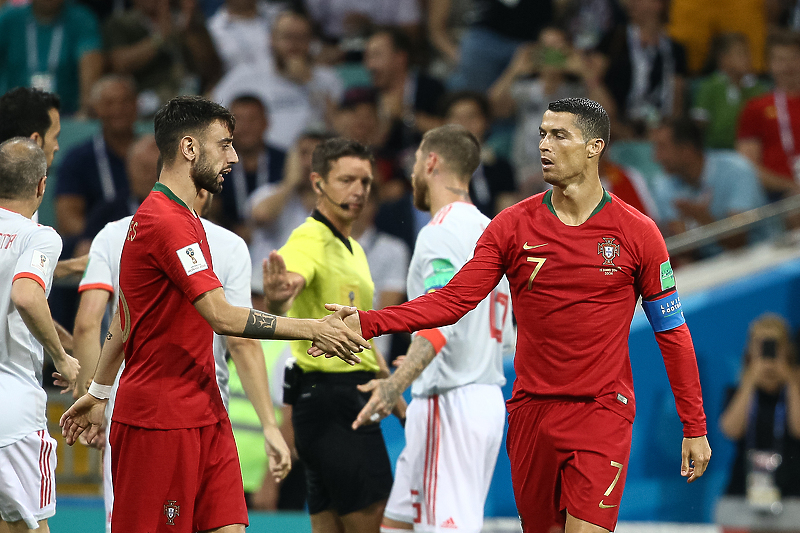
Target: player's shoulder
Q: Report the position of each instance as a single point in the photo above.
(456, 214)
(224, 239)
(114, 229)
(164, 209)
(217, 232)
(510, 215)
(40, 232)
(628, 217)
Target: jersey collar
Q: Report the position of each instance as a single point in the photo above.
(160, 187)
(316, 215)
(548, 201)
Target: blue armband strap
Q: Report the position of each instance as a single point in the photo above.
(664, 313)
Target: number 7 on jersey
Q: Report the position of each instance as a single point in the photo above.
(539, 262)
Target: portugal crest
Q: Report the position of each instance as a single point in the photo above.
(609, 250)
(172, 510)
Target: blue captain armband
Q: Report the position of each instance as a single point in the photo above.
(665, 312)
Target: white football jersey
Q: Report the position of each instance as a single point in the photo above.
(473, 349)
(31, 251)
(102, 270)
(229, 256)
(231, 261)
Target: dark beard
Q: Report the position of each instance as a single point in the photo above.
(204, 176)
(421, 199)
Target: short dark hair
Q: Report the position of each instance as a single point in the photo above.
(590, 117)
(186, 115)
(459, 148)
(25, 111)
(22, 165)
(251, 99)
(331, 150)
(685, 131)
(451, 99)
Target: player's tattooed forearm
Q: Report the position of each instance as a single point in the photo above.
(389, 393)
(109, 336)
(260, 325)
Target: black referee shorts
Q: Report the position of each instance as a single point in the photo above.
(346, 470)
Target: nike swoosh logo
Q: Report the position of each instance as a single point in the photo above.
(526, 247)
(602, 506)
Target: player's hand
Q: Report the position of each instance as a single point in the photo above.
(280, 458)
(279, 286)
(695, 455)
(67, 375)
(85, 415)
(334, 339)
(351, 320)
(380, 405)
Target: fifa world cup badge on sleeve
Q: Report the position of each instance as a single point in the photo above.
(667, 276)
(40, 261)
(192, 259)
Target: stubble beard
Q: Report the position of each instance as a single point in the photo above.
(204, 175)
(422, 199)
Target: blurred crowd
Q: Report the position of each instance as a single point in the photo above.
(711, 88)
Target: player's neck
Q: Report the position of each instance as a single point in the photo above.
(25, 208)
(575, 202)
(181, 185)
(445, 192)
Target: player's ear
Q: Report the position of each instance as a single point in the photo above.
(41, 186)
(188, 148)
(38, 139)
(594, 148)
(431, 161)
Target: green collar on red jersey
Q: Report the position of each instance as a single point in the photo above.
(160, 187)
(548, 201)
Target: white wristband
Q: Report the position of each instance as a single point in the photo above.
(101, 392)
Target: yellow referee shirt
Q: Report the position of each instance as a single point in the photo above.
(333, 274)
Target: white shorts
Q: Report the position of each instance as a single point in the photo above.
(28, 479)
(444, 472)
(108, 485)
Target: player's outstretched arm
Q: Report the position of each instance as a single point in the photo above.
(29, 299)
(86, 414)
(387, 392)
(249, 359)
(71, 267)
(330, 333)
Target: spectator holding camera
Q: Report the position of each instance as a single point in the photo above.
(763, 413)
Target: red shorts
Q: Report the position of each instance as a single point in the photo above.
(567, 456)
(177, 480)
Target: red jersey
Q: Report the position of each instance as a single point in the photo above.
(759, 120)
(169, 381)
(574, 290)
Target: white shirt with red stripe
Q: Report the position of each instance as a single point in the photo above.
(102, 271)
(231, 265)
(27, 250)
(471, 350)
